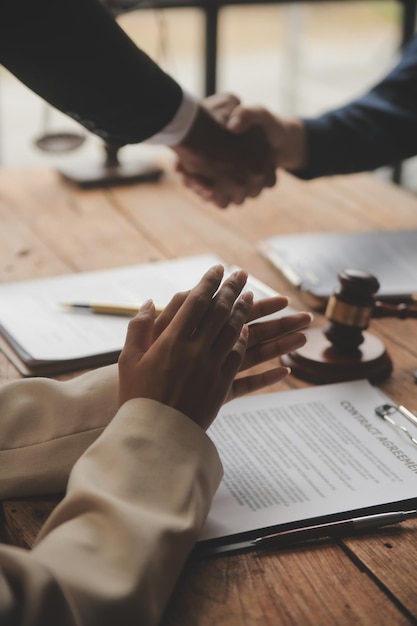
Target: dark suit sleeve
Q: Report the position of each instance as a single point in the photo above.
(377, 129)
(74, 55)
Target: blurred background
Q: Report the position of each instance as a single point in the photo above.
(295, 58)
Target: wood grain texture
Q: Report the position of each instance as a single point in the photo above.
(24, 518)
(318, 585)
(390, 556)
(49, 228)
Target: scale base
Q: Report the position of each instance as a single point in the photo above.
(89, 175)
(319, 361)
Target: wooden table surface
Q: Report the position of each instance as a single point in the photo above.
(49, 228)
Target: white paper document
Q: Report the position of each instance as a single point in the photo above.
(31, 314)
(297, 455)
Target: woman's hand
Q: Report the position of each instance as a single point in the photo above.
(172, 358)
(189, 357)
(269, 340)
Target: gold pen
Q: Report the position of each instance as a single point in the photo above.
(103, 308)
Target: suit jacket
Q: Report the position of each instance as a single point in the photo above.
(74, 55)
(377, 129)
(111, 551)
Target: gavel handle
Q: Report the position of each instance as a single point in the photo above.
(402, 310)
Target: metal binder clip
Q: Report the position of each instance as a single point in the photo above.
(387, 410)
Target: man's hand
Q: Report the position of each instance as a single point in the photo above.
(286, 136)
(222, 166)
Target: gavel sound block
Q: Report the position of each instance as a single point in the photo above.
(343, 350)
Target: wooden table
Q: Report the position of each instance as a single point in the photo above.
(47, 228)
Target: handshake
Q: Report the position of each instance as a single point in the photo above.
(232, 152)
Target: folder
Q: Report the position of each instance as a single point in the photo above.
(312, 261)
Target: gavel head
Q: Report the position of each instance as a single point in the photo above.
(349, 309)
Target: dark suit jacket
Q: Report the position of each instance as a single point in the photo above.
(73, 54)
(377, 129)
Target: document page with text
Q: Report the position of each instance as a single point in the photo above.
(41, 330)
(297, 455)
(31, 311)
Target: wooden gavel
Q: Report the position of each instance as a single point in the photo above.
(343, 350)
(350, 309)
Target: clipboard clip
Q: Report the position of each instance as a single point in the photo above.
(385, 411)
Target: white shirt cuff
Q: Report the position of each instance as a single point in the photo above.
(175, 131)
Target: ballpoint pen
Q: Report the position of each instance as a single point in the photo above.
(103, 308)
(288, 538)
(333, 529)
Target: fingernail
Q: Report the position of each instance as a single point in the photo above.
(288, 370)
(218, 270)
(239, 272)
(146, 306)
(247, 297)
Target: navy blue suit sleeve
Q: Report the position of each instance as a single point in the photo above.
(377, 129)
(74, 55)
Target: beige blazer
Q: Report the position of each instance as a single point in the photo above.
(111, 551)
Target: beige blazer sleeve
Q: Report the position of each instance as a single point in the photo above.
(112, 549)
(46, 425)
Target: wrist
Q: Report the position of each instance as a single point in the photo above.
(293, 155)
(203, 132)
(179, 126)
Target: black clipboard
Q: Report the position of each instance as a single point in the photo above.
(312, 261)
(366, 414)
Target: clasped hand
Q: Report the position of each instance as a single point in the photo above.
(280, 142)
(191, 357)
(232, 166)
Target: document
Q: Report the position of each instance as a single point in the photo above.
(296, 456)
(312, 261)
(42, 337)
